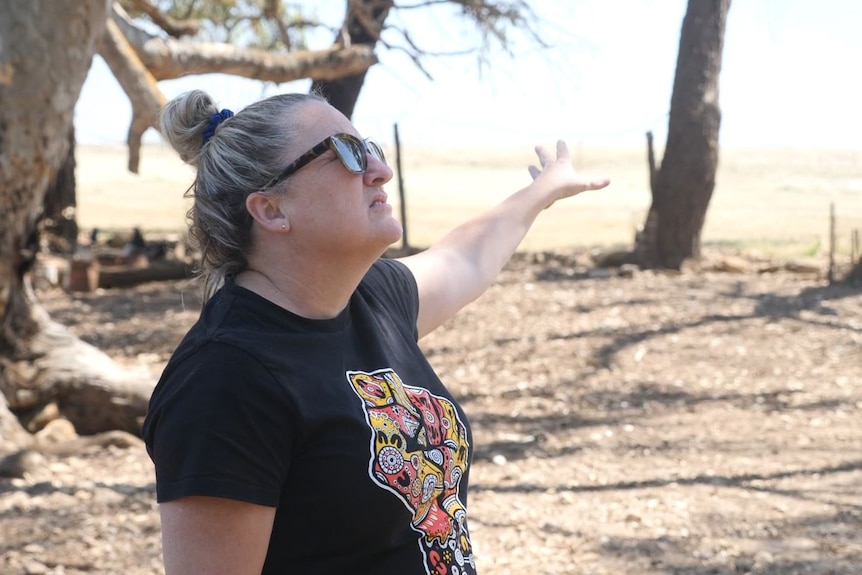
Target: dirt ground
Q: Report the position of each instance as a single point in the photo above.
(644, 423)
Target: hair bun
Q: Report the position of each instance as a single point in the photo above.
(184, 122)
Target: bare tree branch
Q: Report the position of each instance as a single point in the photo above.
(421, 4)
(369, 14)
(415, 53)
(138, 84)
(273, 11)
(423, 52)
(493, 18)
(172, 26)
(416, 58)
(167, 58)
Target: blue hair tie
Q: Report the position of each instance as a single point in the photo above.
(215, 120)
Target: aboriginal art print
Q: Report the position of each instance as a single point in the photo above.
(419, 452)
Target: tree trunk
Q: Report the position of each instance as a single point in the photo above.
(45, 54)
(362, 27)
(58, 217)
(683, 185)
(12, 435)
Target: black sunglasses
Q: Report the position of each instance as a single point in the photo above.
(352, 152)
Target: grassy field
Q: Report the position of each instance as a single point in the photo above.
(767, 201)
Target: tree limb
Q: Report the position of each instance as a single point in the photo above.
(167, 58)
(12, 434)
(273, 10)
(138, 84)
(93, 392)
(172, 26)
(369, 14)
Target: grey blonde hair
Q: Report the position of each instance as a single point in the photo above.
(244, 153)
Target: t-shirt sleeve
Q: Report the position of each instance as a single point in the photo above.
(220, 425)
(391, 284)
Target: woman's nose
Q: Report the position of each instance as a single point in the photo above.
(377, 172)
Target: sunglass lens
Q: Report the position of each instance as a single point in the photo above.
(375, 150)
(351, 153)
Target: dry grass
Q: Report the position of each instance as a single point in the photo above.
(771, 202)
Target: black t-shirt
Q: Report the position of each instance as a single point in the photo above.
(341, 424)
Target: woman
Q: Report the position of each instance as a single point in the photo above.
(298, 428)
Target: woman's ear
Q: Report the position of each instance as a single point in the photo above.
(267, 212)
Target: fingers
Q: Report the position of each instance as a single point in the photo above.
(596, 183)
(562, 149)
(563, 156)
(544, 157)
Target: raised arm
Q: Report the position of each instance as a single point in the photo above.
(462, 265)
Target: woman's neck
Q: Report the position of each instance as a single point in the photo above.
(308, 289)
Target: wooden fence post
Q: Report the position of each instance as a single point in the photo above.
(405, 243)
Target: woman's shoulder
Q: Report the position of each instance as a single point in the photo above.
(388, 273)
(389, 287)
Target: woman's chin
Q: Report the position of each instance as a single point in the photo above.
(394, 231)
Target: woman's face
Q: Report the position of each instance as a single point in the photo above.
(330, 209)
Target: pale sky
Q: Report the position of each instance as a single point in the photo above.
(787, 80)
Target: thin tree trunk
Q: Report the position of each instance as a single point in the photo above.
(362, 27)
(683, 185)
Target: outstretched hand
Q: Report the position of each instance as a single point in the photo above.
(559, 177)
(461, 266)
